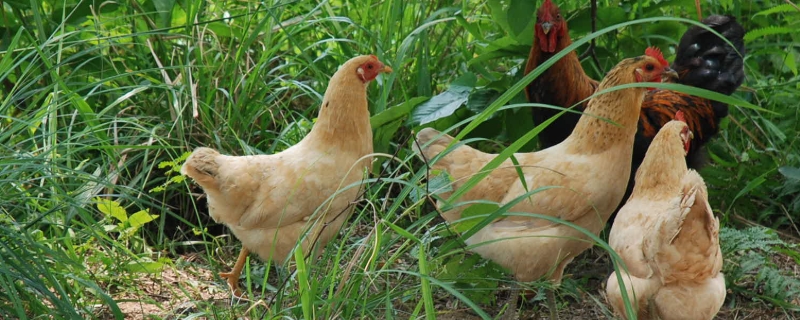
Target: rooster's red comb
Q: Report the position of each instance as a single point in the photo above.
(679, 116)
(656, 53)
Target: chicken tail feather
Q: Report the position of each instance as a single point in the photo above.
(202, 166)
(706, 61)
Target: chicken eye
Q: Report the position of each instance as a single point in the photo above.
(369, 66)
(649, 67)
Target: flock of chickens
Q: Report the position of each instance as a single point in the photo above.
(665, 232)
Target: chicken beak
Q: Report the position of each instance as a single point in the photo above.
(386, 69)
(669, 75)
(546, 27)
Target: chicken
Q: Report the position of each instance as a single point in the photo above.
(592, 166)
(272, 201)
(668, 237)
(703, 60)
(564, 84)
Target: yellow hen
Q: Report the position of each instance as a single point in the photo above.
(668, 237)
(271, 201)
(592, 165)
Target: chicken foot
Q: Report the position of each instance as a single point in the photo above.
(551, 303)
(232, 277)
(511, 312)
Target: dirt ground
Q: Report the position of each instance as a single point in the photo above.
(176, 292)
(172, 293)
(591, 303)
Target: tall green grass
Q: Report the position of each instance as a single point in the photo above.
(100, 101)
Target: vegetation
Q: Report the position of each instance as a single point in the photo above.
(102, 101)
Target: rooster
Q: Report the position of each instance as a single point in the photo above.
(591, 166)
(668, 237)
(703, 60)
(271, 202)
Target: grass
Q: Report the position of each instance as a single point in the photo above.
(100, 103)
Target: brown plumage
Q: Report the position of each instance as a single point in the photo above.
(696, 110)
(668, 237)
(591, 166)
(564, 84)
(302, 194)
(703, 60)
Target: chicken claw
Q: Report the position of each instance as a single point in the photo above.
(233, 277)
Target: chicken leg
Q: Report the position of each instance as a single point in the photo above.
(233, 276)
(551, 303)
(512, 313)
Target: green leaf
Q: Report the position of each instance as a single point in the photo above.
(222, 29)
(773, 129)
(18, 4)
(139, 218)
(606, 16)
(425, 284)
(164, 9)
(402, 232)
(521, 19)
(445, 103)
(516, 123)
(386, 124)
(400, 111)
(791, 61)
(304, 284)
(751, 185)
(8, 47)
(112, 208)
(474, 275)
(472, 28)
(653, 7)
(503, 47)
(423, 72)
(777, 9)
(499, 16)
(438, 182)
(475, 212)
(382, 139)
(790, 172)
(768, 31)
(520, 174)
(441, 183)
(164, 164)
(480, 99)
